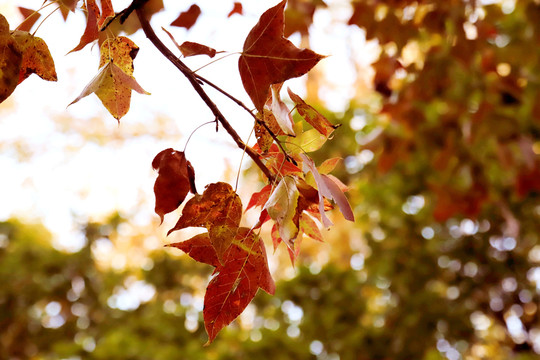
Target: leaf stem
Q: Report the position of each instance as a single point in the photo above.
(196, 84)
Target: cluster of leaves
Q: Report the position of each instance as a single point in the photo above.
(297, 187)
(298, 191)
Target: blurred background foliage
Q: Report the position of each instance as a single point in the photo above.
(441, 153)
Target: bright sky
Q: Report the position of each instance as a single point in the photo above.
(59, 164)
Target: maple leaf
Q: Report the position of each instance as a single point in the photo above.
(10, 61)
(36, 57)
(114, 82)
(328, 188)
(176, 178)
(188, 18)
(237, 9)
(30, 18)
(91, 32)
(282, 208)
(199, 248)
(268, 58)
(312, 116)
(244, 271)
(219, 209)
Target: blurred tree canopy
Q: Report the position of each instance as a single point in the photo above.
(443, 262)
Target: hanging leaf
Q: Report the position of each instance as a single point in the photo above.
(36, 57)
(312, 116)
(91, 32)
(268, 58)
(281, 112)
(243, 272)
(113, 87)
(176, 178)
(10, 61)
(281, 207)
(218, 205)
(329, 189)
(114, 82)
(188, 18)
(218, 209)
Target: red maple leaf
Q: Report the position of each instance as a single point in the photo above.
(269, 58)
(244, 271)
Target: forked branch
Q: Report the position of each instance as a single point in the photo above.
(195, 82)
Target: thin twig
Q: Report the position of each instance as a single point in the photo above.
(195, 83)
(242, 105)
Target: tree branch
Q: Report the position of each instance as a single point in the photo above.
(196, 84)
(242, 105)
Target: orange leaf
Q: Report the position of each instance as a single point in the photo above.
(36, 57)
(268, 58)
(107, 11)
(312, 116)
(175, 178)
(199, 248)
(218, 205)
(243, 272)
(188, 18)
(30, 18)
(10, 61)
(91, 31)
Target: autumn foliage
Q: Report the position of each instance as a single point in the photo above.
(298, 192)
